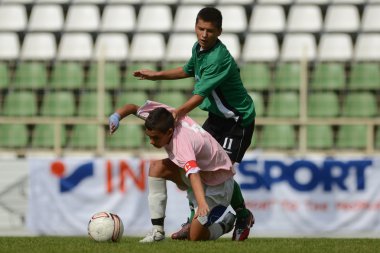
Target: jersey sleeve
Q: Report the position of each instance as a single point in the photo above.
(145, 109)
(185, 155)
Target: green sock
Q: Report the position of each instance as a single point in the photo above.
(237, 202)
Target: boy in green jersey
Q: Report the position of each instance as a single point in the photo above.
(219, 90)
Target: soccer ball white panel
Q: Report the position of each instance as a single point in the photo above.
(105, 226)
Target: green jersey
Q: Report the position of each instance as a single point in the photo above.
(217, 79)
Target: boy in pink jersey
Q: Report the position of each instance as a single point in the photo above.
(196, 160)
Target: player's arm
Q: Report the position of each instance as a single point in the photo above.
(187, 107)
(170, 74)
(119, 114)
(196, 185)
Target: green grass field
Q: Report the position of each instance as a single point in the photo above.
(224, 245)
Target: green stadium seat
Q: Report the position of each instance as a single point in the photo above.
(377, 138)
(283, 104)
(364, 76)
(352, 137)
(320, 137)
(323, 104)
(133, 83)
(198, 115)
(58, 104)
(44, 136)
(131, 97)
(88, 104)
(112, 77)
(13, 136)
(30, 75)
(186, 84)
(287, 76)
(256, 76)
(277, 137)
(84, 136)
(4, 76)
(328, 76)
(126, 136)
(171, 98)
(259, 103)
(361, 104)
(67, 75)
(20, 103)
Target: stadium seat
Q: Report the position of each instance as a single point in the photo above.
(154, 18)
(82, 18)
(231, 41)
(9, 46)
(43, 136)
(111, 72)
(53, 1)
(111, 47)
(184, 19)
(206, 2)
(304, 18)
(58, 104)
(287, 76)
(88, 1)
(342, 18)
(323, 104)
(133, 83)
(234, 18)
(277, 137)
(13, 17)
(88, 104)
(348, 1)
(84, 136)
(359, 104)
(131, 97)
(198, 115)
(255, 76)
(13, 135)
(371, 18)
(126, 136)
(118, 18)
(328, 76)
(279, 2)
(260, 47)
(179, 46)
(364, 76)
(4, 76)
(125, 1)
(147, 47)
(366, 47)
(30, 75)
(319, 2)
(185, 84)
(335, 47)
(240, 2)
(267, 18)
(20, 103)
(320, 137)
(75, 47)
(377, 139)
(297, 47)
(67, 75)
(168, 2)
(258, 100)
(38, 47)
(171, 98)
(283, 104)
(352, 137)
(46, 18)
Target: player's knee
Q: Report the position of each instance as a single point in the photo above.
(155, 168)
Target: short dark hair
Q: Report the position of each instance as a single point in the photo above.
(159, 119)
(210, 14)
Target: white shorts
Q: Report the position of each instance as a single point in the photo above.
(218, 198)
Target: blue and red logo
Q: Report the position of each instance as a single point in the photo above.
(69, 182)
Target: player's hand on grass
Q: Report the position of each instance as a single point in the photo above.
(113, 122)
(145, 74)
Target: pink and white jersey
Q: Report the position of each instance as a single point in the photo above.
(194, 149)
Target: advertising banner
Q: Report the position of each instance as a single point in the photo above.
(312, 195)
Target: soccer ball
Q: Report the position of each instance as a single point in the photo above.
(105, 226)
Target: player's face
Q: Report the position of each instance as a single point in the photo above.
(159, 139)
(207, 33)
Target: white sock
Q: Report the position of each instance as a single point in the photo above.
(216, 231)
(157, 199)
